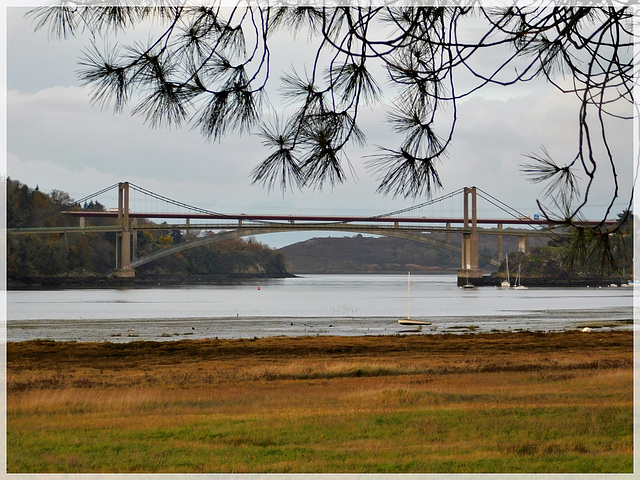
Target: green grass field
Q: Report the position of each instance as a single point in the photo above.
(523, 402)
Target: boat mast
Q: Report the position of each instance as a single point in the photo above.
(409, 295)
(507, 262)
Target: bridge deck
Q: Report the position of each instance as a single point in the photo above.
(303, 222)
(317, 218)
(277, 226)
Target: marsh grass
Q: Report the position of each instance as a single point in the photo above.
(452, 403)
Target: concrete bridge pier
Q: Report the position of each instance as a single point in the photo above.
(123, 238)
(523, 243)
(134, 241)
(470, 272)
(472, 276)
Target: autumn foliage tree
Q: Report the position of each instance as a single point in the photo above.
(93, 253)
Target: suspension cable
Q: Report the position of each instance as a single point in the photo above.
(408, 209)
(420, 205)
(67, 206)
(175, 202)
(509, 211)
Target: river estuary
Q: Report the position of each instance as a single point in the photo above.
(308, 305)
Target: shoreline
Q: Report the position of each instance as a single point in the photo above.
(140, 281)
(150, 281)
(171, 330)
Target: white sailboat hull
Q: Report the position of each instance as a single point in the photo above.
(409, 321)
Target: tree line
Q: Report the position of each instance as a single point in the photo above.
(93, 253)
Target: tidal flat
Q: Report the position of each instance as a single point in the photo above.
(525, 402)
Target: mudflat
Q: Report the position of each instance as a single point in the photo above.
(501, 402)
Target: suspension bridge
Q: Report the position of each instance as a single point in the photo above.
(126, 224)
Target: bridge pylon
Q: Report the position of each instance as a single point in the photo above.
(123, 238)
(470, 271)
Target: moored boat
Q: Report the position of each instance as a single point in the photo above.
(408, 320)
(507, 282)
(518, 286)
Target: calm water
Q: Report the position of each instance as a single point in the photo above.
(309, 305)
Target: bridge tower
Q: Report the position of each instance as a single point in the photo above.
(123, 238)
(470, 271)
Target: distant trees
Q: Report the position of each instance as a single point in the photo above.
(25, 205)
(226, 257)
(368, 255)
(60, 198)
(93, 206)
(94, 253)
(585, 252)
(601, 251)
(52, 254)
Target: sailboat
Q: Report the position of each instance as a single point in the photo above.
(518, 286)
(506, 283)
(408, 321)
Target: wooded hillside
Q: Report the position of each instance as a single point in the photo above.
(359, 254)
(547, 257)
(93, 254)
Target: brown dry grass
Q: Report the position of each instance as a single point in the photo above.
(48, 364)
(324, 395)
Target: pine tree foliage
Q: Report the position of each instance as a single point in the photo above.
(209, 67)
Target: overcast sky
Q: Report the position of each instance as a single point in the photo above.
(56, 139)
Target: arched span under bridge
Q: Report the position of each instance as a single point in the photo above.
(390, 225)
(236, 226)
(250, 231)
